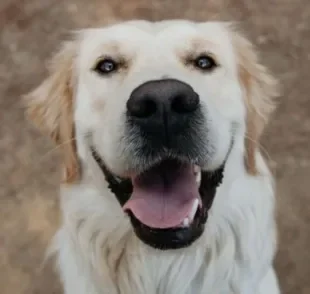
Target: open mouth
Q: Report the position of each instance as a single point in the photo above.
(166, 195)
(168, 203)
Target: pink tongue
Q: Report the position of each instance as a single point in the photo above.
(163, 196)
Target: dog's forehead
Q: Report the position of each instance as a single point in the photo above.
(144, 32)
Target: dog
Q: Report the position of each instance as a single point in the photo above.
(164, 190)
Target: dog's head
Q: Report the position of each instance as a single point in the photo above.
(159, 106)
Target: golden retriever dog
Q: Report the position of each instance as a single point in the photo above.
(165, 190)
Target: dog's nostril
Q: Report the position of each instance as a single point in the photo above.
(141, 108)
(184, 103)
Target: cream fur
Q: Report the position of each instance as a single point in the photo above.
(96, 248)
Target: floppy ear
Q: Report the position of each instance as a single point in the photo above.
(260, 89)
(50, 107)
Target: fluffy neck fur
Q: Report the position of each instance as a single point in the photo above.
(99, 253)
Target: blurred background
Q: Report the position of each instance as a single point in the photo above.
(32, 29)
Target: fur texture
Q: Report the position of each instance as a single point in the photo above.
(97, 249)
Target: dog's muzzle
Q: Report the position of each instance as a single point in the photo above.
(163, 113)
(167, 195)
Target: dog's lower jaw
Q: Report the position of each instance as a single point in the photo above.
(98, 251)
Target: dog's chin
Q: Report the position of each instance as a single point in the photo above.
(167, 203)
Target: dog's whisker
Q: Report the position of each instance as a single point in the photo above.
(49, 153)
(261, 147)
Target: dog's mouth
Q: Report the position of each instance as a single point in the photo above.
(168, 203)
(166, 195)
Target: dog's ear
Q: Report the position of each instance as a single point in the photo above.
(50, 107)
(260, 89)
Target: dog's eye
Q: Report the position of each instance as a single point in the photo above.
(105, 66)
(205, 63)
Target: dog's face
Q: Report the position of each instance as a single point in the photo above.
(158, 105)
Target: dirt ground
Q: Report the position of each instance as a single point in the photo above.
(32, 29)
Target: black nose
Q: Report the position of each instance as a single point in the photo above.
(162, 104)
(162, 97)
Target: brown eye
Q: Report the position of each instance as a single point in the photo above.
(106, 66)
(205, 63)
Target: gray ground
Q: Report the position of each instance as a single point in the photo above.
(32, 29)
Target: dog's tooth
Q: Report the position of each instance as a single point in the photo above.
(196, 169)
(193, 210)
(198, 177)
(185, 222)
